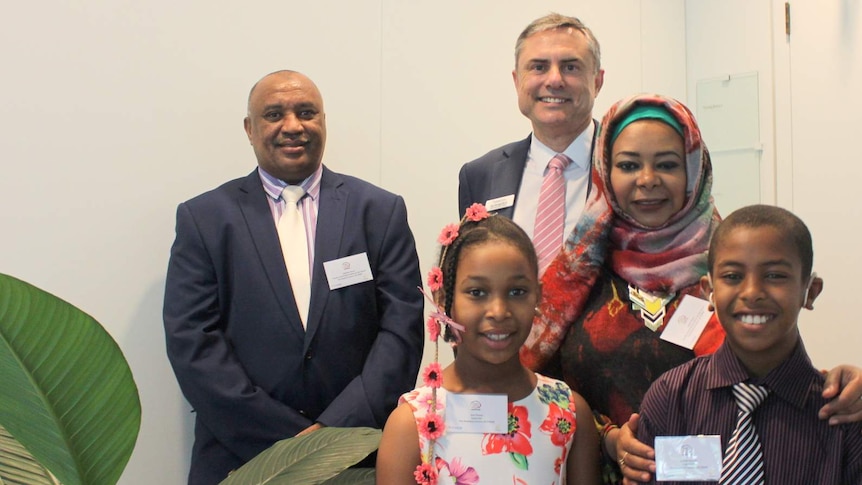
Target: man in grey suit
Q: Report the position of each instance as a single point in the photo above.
(255, 364)
(557, 77)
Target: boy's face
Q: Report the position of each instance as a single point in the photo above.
(758, 290)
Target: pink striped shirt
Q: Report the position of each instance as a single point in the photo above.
(307, 205)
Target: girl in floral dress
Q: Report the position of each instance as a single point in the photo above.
(487, 419)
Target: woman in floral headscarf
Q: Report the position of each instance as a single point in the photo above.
(640, 248)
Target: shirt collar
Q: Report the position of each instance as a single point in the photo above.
(792, 380)
(579, 150)
(273, 186)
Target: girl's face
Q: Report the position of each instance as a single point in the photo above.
(648, 171)
(496, 293)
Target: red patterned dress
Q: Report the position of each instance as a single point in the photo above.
(610, 357)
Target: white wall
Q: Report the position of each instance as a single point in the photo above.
(825, 62)
(729, 38)
(810, 114)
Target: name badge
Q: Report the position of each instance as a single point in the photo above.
(347, 271)
(477, 413)
(687, 322)
(688, 458)
(500, 202)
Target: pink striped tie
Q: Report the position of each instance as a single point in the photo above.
(551, 214)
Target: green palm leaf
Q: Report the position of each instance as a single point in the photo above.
(17, 465)
(354, 476)
(310, 459)
(68, 393)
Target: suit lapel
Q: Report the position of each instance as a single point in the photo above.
(258, 216)
(331, 225)
(507, 175)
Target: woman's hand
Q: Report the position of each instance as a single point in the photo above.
(636, 460)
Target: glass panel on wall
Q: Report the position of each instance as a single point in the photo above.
(729, 117)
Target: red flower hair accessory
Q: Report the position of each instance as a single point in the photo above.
(433, 375)
(476, 212)
(432, 426)
(448, 234)
(433, 328)
(435, 279)
(441, 318)
(425, 474)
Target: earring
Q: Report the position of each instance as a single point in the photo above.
(537, 311)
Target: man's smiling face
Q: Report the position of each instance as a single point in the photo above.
(557, 82)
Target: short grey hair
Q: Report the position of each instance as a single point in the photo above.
(554, 21)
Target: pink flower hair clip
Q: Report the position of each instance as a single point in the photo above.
(433, 426)
(439, 317)
(476, 212)
(448, 234)
(435, 280)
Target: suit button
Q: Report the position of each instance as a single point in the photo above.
(308, 356)
(303, 413)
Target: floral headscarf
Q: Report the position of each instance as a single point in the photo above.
(659, 260)
(671, 257)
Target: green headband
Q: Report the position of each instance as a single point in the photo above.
(646, 113)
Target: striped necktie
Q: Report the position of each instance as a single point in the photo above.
(294, 248)
(743, 461)
(551, 213)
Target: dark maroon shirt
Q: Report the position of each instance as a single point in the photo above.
(798, 447)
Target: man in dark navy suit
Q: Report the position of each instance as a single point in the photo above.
(257, 360)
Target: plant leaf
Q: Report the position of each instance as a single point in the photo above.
(309, 459)
(520, 461)
(68, 393)
(17, 465)
(354, 476)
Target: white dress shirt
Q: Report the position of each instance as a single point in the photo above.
(576, 175)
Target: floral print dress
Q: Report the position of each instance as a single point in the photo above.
(534, 451)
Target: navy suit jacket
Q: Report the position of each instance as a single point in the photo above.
(498, 173)
(234, 337)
